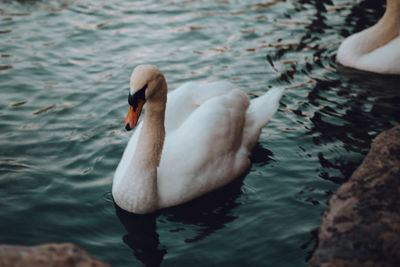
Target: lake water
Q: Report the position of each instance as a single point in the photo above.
(64, 79)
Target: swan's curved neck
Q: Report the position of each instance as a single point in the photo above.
(391, 18)
(148, 151)
(393, 6)
(151, 139)
(385, 30)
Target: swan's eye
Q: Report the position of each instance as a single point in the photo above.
(133, 99)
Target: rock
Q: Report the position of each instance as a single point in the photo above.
(55, 255)
(361, 226)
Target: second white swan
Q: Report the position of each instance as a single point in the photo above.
(198, 141)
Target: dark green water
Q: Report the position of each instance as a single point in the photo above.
(64, 73)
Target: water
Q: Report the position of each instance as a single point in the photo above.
(64, 71)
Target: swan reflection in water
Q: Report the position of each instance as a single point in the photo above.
(142, 237)
(209, 213)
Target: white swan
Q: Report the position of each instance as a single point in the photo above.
(376, 49)
(199, 141)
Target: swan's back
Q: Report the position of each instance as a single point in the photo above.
(185, 99)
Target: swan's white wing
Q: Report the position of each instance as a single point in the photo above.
(182, 101)
(205, 151)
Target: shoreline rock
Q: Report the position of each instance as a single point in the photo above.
(361, 226)
(51, 254)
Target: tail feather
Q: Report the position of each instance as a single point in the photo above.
(259, 113)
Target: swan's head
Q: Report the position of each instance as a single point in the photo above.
(146, 81)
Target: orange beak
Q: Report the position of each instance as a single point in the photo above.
(133, 115)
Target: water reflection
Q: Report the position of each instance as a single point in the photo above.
(142, 237)
(364, 106)
(379, 92)
(260, 155)
(208, 213)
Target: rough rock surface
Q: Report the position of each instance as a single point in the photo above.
(361, 226)
(54, 255)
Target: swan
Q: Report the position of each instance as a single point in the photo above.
(376, 49)
(198, 141)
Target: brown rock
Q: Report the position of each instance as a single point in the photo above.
(54, 255)
(361, 226)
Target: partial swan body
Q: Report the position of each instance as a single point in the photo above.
(196, 142)
(376, 49)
